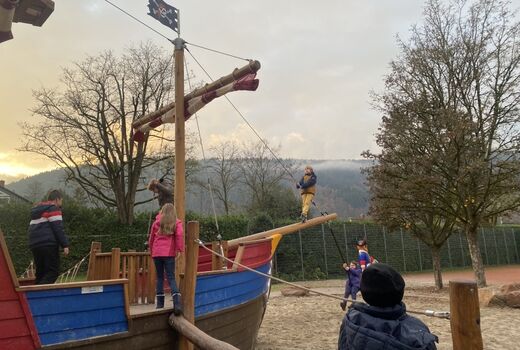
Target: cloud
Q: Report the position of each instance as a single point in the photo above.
(13, 165)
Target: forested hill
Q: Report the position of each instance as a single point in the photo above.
(341, 188)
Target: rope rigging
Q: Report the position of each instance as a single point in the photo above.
(204, 156)
(271, 151)
(165, 37)
(71, 274)
(430, 313)
(234, 107)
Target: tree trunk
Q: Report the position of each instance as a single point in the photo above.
(476, 256)
(436, 259)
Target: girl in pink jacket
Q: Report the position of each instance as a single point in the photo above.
(165, 242)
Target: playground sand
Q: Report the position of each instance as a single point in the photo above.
(313, 322)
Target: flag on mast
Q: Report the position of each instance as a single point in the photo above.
(164, 13)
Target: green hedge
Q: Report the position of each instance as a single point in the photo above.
(311, 254)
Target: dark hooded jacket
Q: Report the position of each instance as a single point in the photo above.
(366, 327)
(165, 194)
(46, 227)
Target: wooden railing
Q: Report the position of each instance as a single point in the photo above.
(137, 267)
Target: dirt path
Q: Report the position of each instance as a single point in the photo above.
(494, 275)
(313, 322)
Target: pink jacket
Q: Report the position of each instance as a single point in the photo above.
(165, 245)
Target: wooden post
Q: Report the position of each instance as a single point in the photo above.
(190, 278)
(115, 263)
(151, 280)
(465, 316)
(180, 149)
(238, 257)
(215, 260)
(91, 272)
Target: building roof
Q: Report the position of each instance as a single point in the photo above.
(4, 192)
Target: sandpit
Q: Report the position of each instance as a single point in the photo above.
(313, 322)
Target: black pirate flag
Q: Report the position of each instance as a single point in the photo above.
(164, 13)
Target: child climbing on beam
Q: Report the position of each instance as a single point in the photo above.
(307, 186)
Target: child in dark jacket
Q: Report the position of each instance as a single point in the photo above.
(383, 323)
(165, 241)
(352, 284)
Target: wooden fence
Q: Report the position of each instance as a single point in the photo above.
(137, 267)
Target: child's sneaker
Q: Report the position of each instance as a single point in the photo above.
(343, 305)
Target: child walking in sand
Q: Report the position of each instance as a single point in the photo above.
(166, 240)
(352, 284)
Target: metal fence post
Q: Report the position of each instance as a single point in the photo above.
(301, 254)
(449, 252)
(325, 250)
(275, 263)
(402, 248)
(514, 241)
(462, 250)
(420, 257)
(506, 247)
(365, 231)
(346, 241)
(496, 245)
(485, 245)
(384, 240)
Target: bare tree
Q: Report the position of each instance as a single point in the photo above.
(263, 175)
(224, 173)
(85, 127)
(457, 80)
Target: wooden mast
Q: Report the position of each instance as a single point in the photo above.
(187, 285)
(180, 148)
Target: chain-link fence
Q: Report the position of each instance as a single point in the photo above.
(312, 253)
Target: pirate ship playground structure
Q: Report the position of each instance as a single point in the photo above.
(114, 308)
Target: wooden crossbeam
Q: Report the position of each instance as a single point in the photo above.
(284, 230)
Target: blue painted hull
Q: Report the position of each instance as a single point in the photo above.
(223, 291)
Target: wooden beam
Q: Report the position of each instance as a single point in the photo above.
(196, 336)
(8, 260)
(285, 229)
(238, 257)
(465, 316)
(95, 247)
(71, 285)
(251, 67)
(180, 147)
(190, 279)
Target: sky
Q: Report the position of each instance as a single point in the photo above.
(320, 61)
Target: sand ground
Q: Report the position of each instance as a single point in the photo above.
(313, 322)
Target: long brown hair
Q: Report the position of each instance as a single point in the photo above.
(168, 219)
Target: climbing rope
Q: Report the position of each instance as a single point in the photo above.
(430, 313)
(270, 150)
(71, 274)
(29, 271)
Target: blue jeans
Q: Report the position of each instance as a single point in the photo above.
(165, 263)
